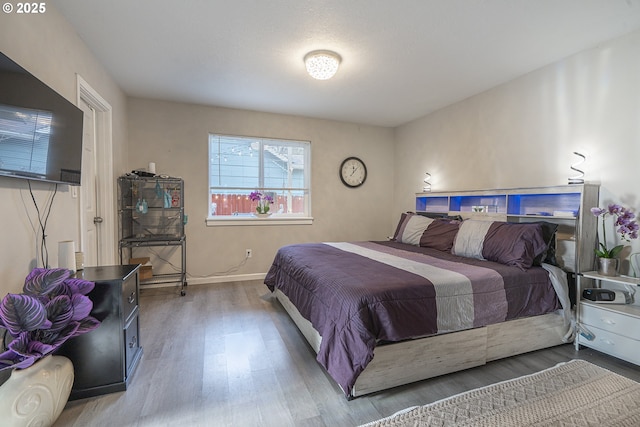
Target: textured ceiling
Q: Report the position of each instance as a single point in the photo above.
(401, 59)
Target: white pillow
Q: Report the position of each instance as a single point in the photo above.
(470, 239)
(413, 229)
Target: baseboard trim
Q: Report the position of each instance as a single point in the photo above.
(221, 279)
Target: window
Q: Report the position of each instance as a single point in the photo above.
(240, 165)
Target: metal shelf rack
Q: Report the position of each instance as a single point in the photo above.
(151, 214)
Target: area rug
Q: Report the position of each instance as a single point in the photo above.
(575, 393)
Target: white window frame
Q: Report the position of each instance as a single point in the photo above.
(276, 219)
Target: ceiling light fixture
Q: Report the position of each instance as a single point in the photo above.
(322, 64)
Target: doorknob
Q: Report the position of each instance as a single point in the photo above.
(97, 220)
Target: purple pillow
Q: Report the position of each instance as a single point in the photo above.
(401, 224)
(516, 244)
(440, 234)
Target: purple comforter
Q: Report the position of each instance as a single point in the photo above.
(359, 294)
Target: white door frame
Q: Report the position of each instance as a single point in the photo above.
(106, 231)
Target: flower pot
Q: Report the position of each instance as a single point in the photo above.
(608, 266)
(263, 215)
(36, 396)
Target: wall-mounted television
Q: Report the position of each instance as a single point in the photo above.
(40, 131)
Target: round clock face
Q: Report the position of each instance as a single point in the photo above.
(353, 172)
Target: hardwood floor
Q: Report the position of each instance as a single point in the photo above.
(228, 355)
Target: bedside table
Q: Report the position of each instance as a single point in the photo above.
(104, 359)
(615, 327)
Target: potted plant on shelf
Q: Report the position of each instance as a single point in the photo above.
(52, 308)
(626, 225)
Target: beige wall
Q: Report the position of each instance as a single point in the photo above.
(50, 49)
(518, 134)
(175, 137)
(523, 133)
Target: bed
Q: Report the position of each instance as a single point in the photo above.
(443, 295)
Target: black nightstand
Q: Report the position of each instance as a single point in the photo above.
(104, 359)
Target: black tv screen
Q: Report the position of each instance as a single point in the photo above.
(40, 131)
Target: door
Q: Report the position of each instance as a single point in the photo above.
(90, 218)
(97, 210)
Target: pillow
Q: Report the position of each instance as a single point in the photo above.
(401, 224)
(549, 236)
(515, 244)
(410, 228)
(440, 215)
(440, 234)
(470, 239)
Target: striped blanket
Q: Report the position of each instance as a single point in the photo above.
(359, 295)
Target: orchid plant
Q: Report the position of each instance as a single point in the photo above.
(263, 200)
(626, 224)
(52, 308)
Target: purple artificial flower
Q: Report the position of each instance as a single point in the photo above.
(263, 201)
(626, 224)
(615, 209)
(53, 308)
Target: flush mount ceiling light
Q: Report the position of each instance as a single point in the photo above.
(322, 64)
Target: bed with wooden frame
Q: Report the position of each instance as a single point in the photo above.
(367, 334)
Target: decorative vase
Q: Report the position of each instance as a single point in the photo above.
(263, 215)
(608, 266)
(36, 396)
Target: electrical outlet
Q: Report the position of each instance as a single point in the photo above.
(248, 253)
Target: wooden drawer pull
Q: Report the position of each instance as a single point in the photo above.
(608, 321)
(608, 342)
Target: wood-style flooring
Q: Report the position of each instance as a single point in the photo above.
(228, 355)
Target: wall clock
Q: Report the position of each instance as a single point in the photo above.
(353, 172)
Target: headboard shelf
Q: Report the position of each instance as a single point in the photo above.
(490, 203)
(566, 205)
(432, 204)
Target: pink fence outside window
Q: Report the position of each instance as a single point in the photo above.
(239, 204)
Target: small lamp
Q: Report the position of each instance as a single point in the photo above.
(322, 64)
(579, 177)
(427, 183)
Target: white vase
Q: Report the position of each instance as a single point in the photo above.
(263, 215)
(36, 396)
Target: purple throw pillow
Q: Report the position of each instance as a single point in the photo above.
(514, 243)
(440, 234)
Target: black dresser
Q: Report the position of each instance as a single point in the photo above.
(105, 358)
